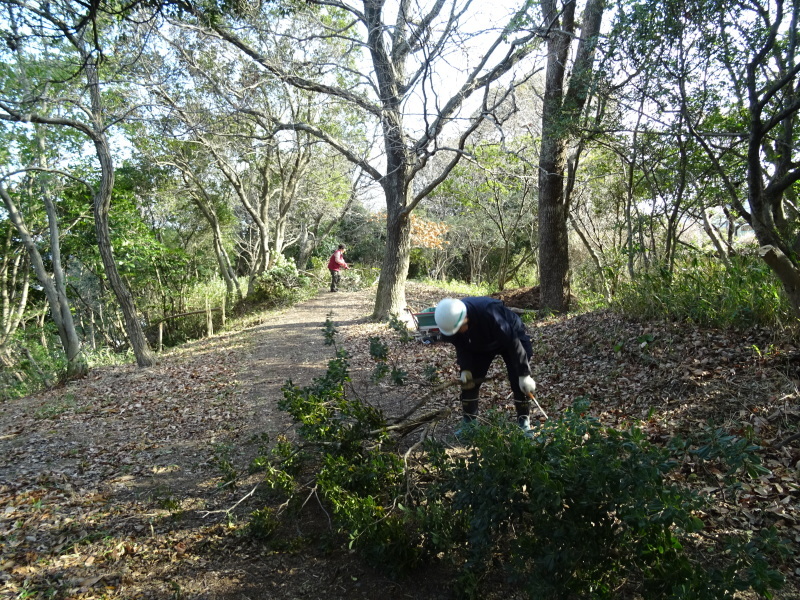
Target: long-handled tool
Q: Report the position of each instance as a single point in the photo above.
(532, 397)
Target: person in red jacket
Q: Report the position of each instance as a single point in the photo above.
(335, 265)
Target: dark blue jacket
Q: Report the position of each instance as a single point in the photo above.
(492, 328)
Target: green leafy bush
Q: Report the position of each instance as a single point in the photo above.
(582, 511)
(263, 523)
(282, 285)
(358, 478)
(29, 365)
(576, 513)
(708, 293)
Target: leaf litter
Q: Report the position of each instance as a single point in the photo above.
(121, 485)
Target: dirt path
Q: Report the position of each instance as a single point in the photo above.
(115, 486)
(291, 346)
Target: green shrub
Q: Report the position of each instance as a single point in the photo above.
(579, 512)
(582, 510)
(191, 303)
(280, 286)
(458, 289)
(30, 366)
(263, 523)
(357, 477)
(708, 293)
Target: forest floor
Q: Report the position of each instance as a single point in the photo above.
(133, 483)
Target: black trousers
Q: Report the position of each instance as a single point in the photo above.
(478, 364)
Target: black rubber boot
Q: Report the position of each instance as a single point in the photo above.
(469, 410)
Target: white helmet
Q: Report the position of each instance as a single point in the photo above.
(449, 315)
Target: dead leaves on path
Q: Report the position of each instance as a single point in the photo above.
(90, 502)
(66, 452)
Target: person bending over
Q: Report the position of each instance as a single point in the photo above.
(482, 328)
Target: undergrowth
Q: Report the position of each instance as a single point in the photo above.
(583, 511)
(708, 293)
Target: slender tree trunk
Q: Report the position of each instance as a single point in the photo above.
(598, 263)
(263, 229)
(62, 313)
(303, 246)
(54, 287)
(223, 260)
(712, 235)
(15, 282)
(101, 206)
(288, 194)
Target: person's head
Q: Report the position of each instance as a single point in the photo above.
(450, 315)
(341, 247)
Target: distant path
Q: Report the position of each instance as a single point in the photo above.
(291, 345)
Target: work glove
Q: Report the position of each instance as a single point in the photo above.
(467, 383)
(527, 385)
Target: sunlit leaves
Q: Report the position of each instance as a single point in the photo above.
(424, 233)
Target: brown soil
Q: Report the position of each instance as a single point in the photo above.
(526, 298)
(120, 485)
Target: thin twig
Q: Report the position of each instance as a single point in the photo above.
(423, 436)
(424, 399)
(436, 390)
(314, 493)
(226, 511)
(411, 425)
(788, 440)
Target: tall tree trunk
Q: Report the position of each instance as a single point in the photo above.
(553, 238)
(391, 294)
(290, 179)
(560, 114)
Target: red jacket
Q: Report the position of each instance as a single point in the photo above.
(336, 263)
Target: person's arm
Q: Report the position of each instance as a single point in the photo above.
(461, 356)
(521, 356)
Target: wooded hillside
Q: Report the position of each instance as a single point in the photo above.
(166, 158)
